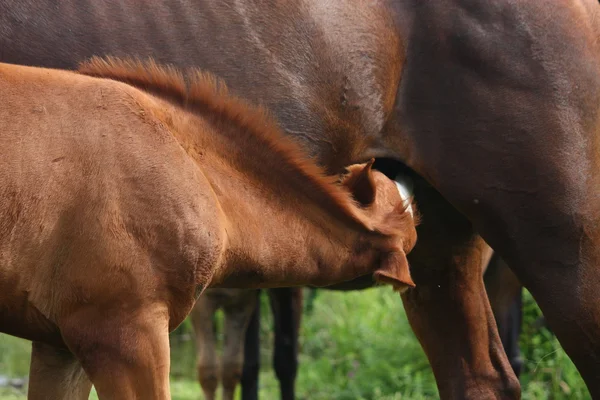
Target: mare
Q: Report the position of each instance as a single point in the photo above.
(493, 104)
(238, 306)
(125, 192)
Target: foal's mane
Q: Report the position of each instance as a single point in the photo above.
(202, 93)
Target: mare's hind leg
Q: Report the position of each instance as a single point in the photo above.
(505, 293)
(449, 310)
(125, 353)
(237, 318)
(56, 374)
(206, 344)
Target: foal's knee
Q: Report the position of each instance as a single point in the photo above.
(231, 375)
(208, 378)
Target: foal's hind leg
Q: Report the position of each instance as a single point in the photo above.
(125, 354)
(206, 344)
(56, 374)
(237, 318)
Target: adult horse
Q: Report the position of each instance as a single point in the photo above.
(494, 104)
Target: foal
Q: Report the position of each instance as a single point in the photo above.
(120, 205)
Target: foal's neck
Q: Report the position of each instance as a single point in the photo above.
(284, 222)
(281, 238)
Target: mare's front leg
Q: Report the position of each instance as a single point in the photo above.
(449, 310)
(56, 374)
(125, 352)
(286, 304)
(237, 318)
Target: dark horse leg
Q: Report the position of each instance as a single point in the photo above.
(286, 304)
(506, 298)
(251, 367)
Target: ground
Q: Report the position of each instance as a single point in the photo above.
(355, 345)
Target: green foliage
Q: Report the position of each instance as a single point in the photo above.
(355, 345)
(361, 345)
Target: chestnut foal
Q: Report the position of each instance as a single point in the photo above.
(119, 206)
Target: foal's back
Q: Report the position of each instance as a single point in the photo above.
(85, 164)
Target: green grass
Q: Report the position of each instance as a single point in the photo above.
(355, 345)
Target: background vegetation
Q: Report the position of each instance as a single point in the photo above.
(355, 345)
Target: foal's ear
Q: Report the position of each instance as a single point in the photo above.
(394, 271)
(360, 182)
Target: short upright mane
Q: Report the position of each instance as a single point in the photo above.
(201, 92)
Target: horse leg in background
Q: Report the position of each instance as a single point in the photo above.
(310, 300)
(506, 298)
(286, 304)
(252, 355)
(124, 353)
(237, 317)
(56, 374)
(206, 344)
(449, 310)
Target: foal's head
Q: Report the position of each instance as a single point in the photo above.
(388, 208)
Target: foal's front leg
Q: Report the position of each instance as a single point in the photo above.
(124, 353)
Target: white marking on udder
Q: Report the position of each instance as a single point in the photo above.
(405, 189)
